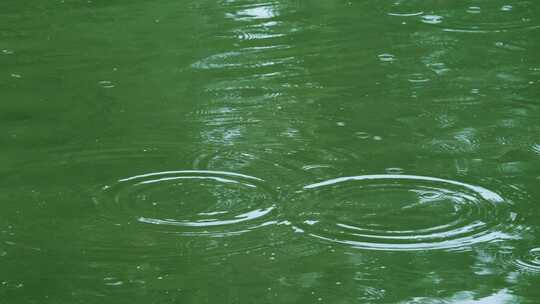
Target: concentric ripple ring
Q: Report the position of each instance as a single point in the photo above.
(191, 202)
(400, 212)
(530, 262)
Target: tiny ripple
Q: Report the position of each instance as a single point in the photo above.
(508, 46)
(406, 14)
(400, 213)
(387, 57)
(432, 19)
(106, 84)
(474, 10)
(418, 78)
(394, 170)
(190, 202)
(362, 135)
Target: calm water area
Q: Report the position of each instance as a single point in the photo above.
(270, 151)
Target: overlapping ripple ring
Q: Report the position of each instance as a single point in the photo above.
(400, 213)
(191, 202)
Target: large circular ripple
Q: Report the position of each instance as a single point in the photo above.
(399, 212)
(191, 202)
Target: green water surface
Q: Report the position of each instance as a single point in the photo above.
(269, 151)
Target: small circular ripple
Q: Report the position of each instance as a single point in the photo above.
(386, 57)
(432, 19)
(191, 202)
(530, 262)
(399, 212)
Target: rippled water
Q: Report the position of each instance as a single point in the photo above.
(401, 212)
(201, 200)
(270, 152)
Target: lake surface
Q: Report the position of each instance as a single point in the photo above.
(269, 152)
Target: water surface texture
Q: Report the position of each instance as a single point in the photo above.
(270, 152)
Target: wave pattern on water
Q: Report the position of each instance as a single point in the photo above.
(191, 202)
(400, 213)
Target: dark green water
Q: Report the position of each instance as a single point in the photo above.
(269, 152)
